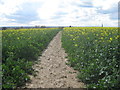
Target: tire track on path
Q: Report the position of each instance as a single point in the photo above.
(52, 72)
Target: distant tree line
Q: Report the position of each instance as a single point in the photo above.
(4, 28)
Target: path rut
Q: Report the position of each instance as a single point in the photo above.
(52, 72)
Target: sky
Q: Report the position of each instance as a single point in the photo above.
(59, 12)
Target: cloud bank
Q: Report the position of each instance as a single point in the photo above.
(59, 12)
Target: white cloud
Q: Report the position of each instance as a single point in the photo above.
(58, 12)
(9, 6)
(105, 4)
(48, 9)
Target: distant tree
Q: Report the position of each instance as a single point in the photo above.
(4, 28)
(61, 27)
(69, 26)
(37, 26)
(21, 27)
(102, 25)
(43, 26)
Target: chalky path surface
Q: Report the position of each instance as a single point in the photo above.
(52, 72)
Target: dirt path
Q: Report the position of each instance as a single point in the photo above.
(52, 70)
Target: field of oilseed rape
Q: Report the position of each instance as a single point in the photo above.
(94, 52)
(19, 49)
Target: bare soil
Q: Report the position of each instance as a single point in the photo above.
(52, 71)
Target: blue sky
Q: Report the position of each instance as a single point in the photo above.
(58, 12)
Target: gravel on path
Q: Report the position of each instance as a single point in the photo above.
(52, 71)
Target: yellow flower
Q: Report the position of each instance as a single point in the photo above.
(76, 45)
(117, 37)
(18, 38)
(71, 35)
(73, 39)
(110, 39)
(96, 40)
(88, 38)
(96, 34)
(101, 37)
